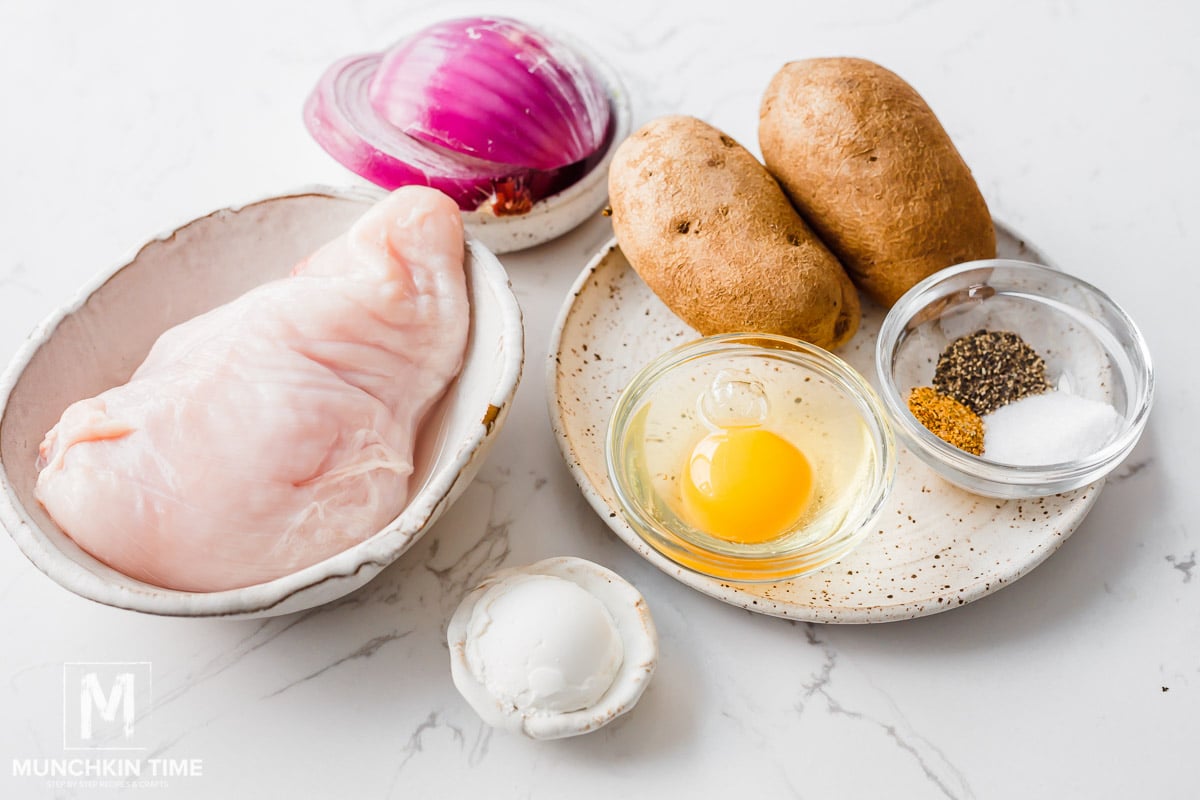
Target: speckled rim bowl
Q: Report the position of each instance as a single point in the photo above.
(770, 561)
(1074, 320)
(97, 339)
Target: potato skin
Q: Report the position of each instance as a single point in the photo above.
(710, 231)
(870, 167)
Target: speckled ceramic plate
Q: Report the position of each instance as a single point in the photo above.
(936, 546)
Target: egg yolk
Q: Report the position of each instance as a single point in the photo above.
(745, 485)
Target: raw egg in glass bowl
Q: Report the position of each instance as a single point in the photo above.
(750, 457)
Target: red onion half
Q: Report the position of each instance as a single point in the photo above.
(487, 110)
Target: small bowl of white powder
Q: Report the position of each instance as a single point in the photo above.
(1057, 373)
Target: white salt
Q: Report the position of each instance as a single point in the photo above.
(1048, 428)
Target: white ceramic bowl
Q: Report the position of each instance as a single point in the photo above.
(99, 338)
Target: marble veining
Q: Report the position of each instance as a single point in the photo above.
(1184, 565)
(928, 757)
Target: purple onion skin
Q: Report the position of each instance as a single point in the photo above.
(495, 89)
(342, 122)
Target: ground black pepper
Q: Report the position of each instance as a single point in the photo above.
(988, 369)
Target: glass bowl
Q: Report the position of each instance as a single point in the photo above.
(810, 397)
(1091, 348)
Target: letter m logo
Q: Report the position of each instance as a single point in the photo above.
(91, 696)
(101, 703)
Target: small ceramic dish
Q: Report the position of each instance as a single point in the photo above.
(1091, 348)
(99, 338)
(810, 397)
(554, 649)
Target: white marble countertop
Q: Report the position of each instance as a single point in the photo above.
(1080, 680)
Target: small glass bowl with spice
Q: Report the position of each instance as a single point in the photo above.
(750, 457)
(1013, 379)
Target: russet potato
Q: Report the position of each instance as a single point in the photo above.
(711, 232)
(872, 170)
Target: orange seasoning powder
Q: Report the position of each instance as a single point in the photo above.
(947, 419)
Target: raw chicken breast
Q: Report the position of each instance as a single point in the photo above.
(275, 431)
